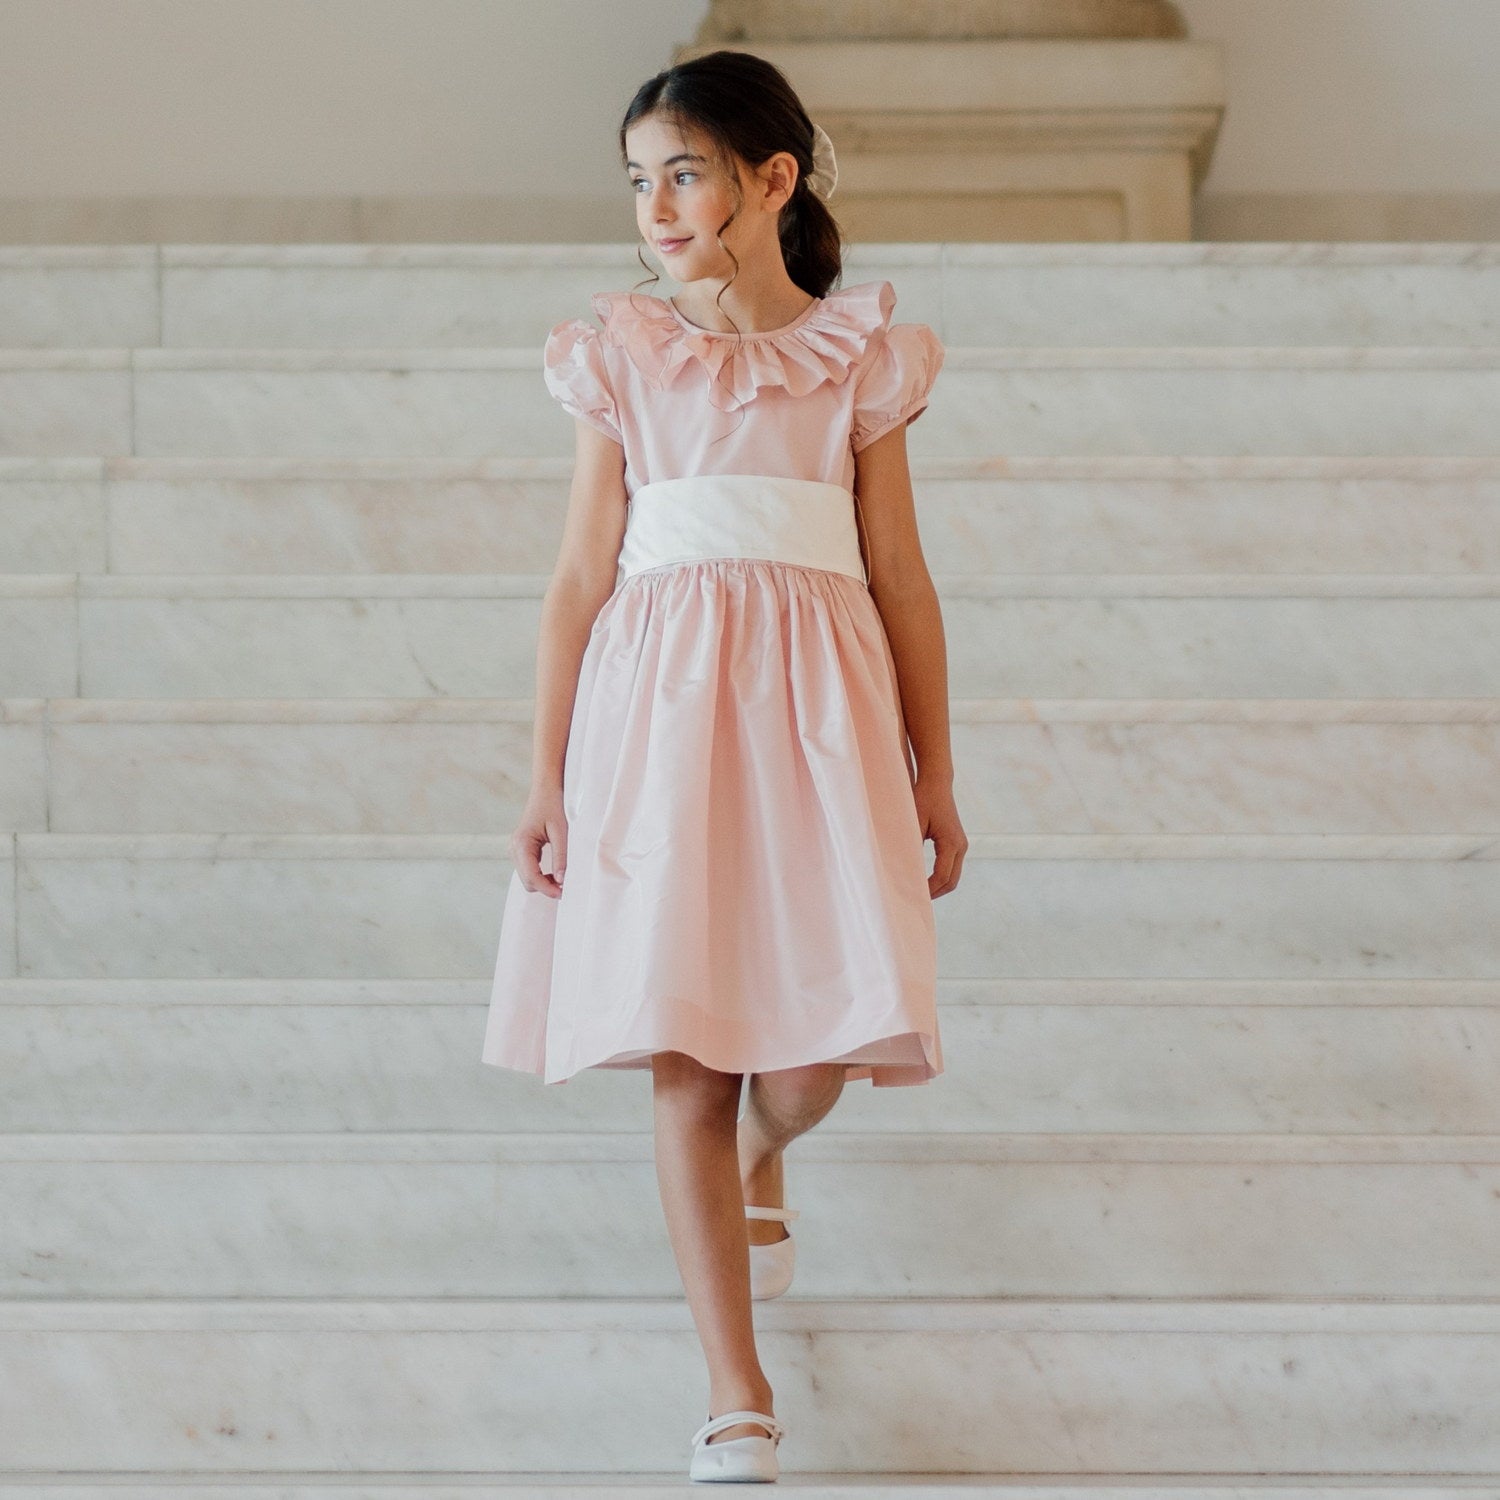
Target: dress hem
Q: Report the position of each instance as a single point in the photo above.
(880, 1074)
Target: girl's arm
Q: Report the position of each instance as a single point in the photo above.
(908, 603)
(583, 578)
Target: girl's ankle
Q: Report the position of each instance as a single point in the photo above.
(741, 1398)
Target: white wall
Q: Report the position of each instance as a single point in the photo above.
(323, 96)
(1384, 96)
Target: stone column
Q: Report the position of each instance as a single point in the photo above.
(996, 119)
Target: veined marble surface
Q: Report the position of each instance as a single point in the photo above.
(1210, 1183)
(1190, 1070)
(183, 905)
(1030, 1387)
(189, 295)
(342, 635)
(1047, 766)
(394, 1216)
(480, 402)
(1008, 516)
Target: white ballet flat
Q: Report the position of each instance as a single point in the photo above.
(771, 1266)
(741, 1458)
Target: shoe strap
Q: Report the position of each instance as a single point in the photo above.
(785, 1215)
(733, 1419)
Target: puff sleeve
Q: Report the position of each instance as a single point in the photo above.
(892, 386)
(573, 368)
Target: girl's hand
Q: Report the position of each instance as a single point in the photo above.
(938, 815)
(542, 822)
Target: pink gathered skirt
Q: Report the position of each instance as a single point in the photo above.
(745, 878)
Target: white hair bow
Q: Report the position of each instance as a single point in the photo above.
(825, 172)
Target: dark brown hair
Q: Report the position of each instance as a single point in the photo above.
(746, 108)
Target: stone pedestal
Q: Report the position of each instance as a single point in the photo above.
(1020, 135)
(932, 20)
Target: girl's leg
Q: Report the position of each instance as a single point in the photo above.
(696, 1170)
(780, 1107)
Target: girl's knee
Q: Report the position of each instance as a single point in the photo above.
(796, 1098)
(684, 1075)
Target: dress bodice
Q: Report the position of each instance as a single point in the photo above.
(796, 402)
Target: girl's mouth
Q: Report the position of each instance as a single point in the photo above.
(667, 247)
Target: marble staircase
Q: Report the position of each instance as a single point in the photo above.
(1207, 1201)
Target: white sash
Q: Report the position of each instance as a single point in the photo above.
(801, 521)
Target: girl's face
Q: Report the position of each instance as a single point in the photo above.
(682, 199)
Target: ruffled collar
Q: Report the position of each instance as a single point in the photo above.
(822, 343)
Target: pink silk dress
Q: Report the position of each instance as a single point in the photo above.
(746, 879)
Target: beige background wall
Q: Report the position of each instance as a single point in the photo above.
(1358, 119)
(1347, 118)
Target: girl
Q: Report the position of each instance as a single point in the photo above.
(721, 770)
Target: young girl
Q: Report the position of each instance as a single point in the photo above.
(721, 771)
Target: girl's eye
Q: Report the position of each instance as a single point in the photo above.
(635, 182)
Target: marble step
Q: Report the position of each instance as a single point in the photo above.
(1179, 1057)
(1053, 766)
(474, 635)
(1035, 515)
(1017, 1386)
(477, 295)
(1076, 1216)
(666, 1486)
(990, 400)
(1149, 906)
(74, 1485)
